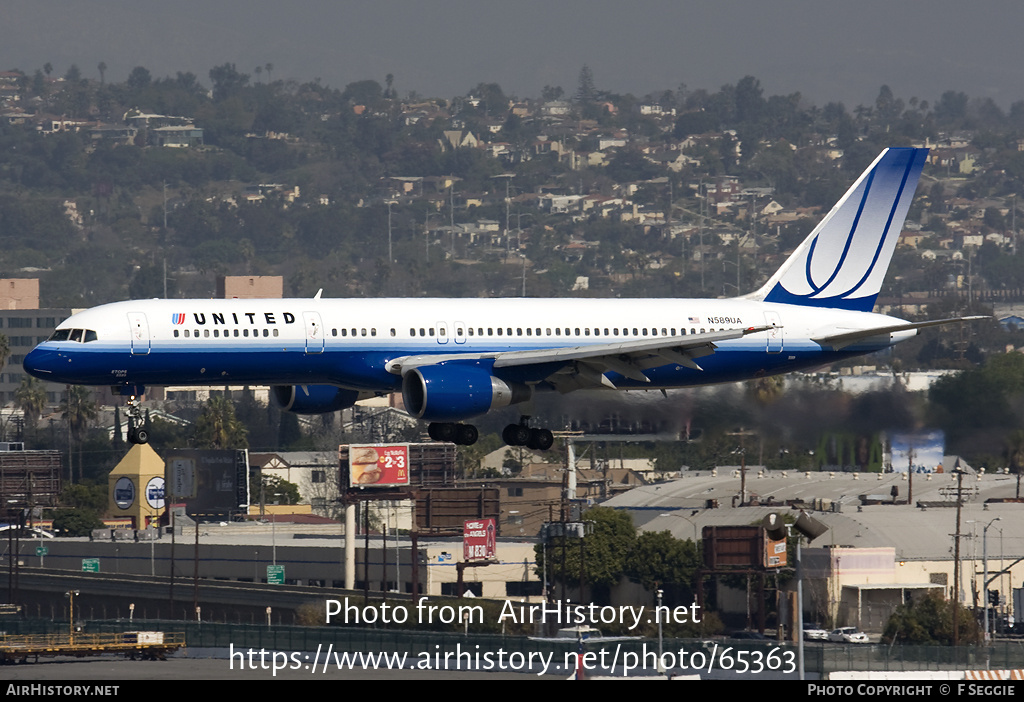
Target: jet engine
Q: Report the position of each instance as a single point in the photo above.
(313, 399)
(450, 393)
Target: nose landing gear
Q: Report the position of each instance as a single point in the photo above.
(137, 433)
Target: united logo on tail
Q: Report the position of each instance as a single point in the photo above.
(844, 260)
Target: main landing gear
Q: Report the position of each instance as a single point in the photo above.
(137, 433)
(461, 434)
(513, 435)
(522, 435)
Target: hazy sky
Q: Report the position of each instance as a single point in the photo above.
(825, 50)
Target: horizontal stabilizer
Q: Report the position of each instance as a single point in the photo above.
(841, 341)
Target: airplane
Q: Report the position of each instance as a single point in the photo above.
(455, 359)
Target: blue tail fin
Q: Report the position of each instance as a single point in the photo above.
(843, 261)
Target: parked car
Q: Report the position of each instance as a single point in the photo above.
(814, 632)
(848, 634)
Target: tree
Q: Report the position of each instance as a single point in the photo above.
(929, 620)
(660, 560)
(75, 522)
(217, 427)
(30, 398)
(138, 79)
(78, 409)
(604, 552)
(278, 491)
(102, 67)
(227, 81)
(586, 91)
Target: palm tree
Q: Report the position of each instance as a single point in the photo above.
(30, 398)
(217, 427)
(78, 408)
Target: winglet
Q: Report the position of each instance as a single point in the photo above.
(318, 294)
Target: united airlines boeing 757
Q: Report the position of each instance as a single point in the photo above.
(455, 359)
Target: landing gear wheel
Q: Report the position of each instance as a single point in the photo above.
(516, 435)
(442, 431)
(541, 439)
(141, 436)
(466, 434)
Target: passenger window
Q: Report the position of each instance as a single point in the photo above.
(499, 331)
(423, 332)
(216, 333)
(442, 332)
(236, 333)
(334, 332)
(509, 330)
(458, 332)
(175, 333)
(490, 331)
(364, 331)
(586, 331)
(470, 330)
(519, 332)
(548, 331)
(577, 331)
(245, 332)
(702, 331)
(275, 331)
(529, 332)
(635, 332)
(186, 333)
(266, 333)
(392, 332)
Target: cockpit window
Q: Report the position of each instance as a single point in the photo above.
(79, 335)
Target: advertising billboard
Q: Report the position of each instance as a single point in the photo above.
(478, 540)
(378, 465)
(923, 450)
(211, 483)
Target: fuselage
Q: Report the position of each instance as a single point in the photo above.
(349, 342)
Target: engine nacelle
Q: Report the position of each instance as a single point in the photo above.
(451, 393)
(313, 399)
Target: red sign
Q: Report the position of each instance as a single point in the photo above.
(479, 539)
(378, 465)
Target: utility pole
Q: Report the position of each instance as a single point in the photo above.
(956, 555)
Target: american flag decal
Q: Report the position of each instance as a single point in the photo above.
(694, 320)
(178, 318)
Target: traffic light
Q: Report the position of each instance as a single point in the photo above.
(993, 598)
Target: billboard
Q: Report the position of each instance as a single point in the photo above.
(378, 465)
(211, 483)
(478, 540)
(923, 450)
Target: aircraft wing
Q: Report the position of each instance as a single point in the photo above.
(585, 366)
(844, 339)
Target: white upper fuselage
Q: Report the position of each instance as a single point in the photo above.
(349, 342)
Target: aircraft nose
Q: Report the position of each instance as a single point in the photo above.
(42, 363)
